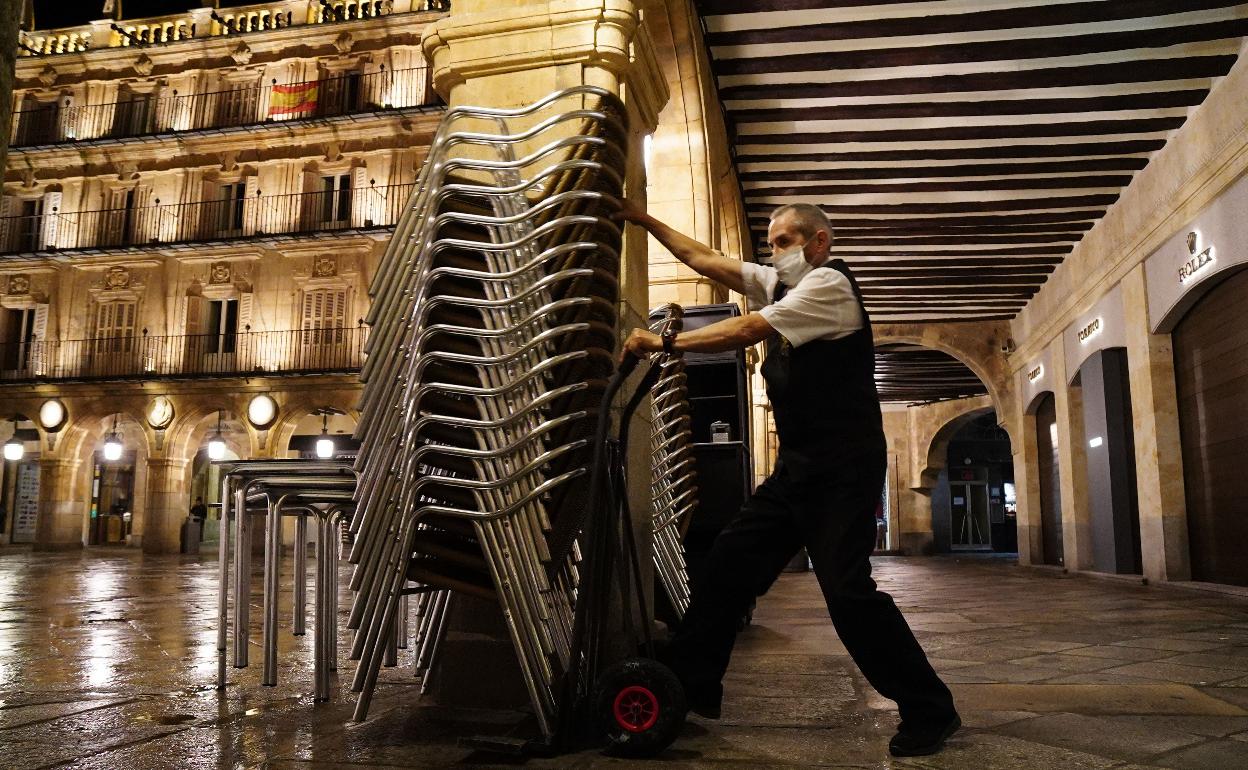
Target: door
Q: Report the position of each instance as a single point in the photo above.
(221, 335)
(1211, 373)
(113, 344)
(1050, 481)
(19, 333)
(968, 507)
(335, 203)
(322, 336)
(112, 500)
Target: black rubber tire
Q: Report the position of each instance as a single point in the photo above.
(639, 706)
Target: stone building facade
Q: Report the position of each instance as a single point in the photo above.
(193, 206)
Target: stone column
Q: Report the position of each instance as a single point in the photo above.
(915, 536)
(692, 183)
(62, 508)
(1158, 452)
(167, 505)
(1027, 490)
(1072, 467)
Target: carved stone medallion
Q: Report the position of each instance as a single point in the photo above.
(117, 278)
(220, 272)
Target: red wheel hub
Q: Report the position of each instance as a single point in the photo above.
(636, 709)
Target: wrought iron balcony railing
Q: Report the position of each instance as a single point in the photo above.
(255, 216)
(151, 114)
(245, 353)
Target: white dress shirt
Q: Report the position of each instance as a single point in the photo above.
(821, 307)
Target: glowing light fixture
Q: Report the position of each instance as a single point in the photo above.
(112, 444)
(216, 444)
(262, 411)
(14, 448)
(52, 414)
(324, 444)
(1095, 442)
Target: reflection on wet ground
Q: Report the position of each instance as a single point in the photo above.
(108, 660)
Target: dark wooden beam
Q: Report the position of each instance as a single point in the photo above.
(1019, 48)
(948, 170)
(971, 131)
(1143, 71)
(957, 207)
(946, 185)
(1084, 105)
(1049, 150)
(935, 24)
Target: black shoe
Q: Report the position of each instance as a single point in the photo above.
(919, 742)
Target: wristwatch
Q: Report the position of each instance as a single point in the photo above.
(669, 341)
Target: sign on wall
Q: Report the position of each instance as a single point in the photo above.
(1100, 328)
(26, 502)
(1192, 259)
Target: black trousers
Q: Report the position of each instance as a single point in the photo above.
(833, 516)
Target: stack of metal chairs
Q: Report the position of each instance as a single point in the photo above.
(673, 492)
(494, 323)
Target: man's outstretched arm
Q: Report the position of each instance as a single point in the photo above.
(700, 257)
(728, 334)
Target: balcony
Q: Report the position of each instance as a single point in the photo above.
(150, 114)
(213, 22)
(258, 216)
(146, 357)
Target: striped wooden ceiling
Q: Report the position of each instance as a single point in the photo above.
(961, 147)
(914, 374)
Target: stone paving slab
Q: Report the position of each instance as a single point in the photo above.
(1095, 699)
(107, 660)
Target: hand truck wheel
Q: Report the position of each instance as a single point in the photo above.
(640, 707)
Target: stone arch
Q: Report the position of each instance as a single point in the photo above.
(1029, 409)
(189, 427)
(949, 418)
(299, 407)
(980, 351)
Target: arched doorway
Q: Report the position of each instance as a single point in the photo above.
(117, 468)
(229, 429)
(1109, 438)
(1045, 412)
(1211, 373)
(973, 504)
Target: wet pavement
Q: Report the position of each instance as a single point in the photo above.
(108, 660)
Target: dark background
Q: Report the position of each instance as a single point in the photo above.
(54, 14)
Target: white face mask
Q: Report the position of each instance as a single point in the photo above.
(790, 265)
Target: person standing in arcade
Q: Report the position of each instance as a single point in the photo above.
(820, 375)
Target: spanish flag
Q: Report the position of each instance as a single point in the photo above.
(293, 99)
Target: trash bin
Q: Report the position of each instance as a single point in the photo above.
(188, 539)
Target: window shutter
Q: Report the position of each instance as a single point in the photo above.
(51, 219)
(143, 218)
(6, 221)
(39, 347)
(245, 303)
(40, 325)
(360, 198)
(251, 206)
(67, 117)
(194, 315)
(209, 212)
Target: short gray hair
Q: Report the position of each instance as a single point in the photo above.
(808, 218)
